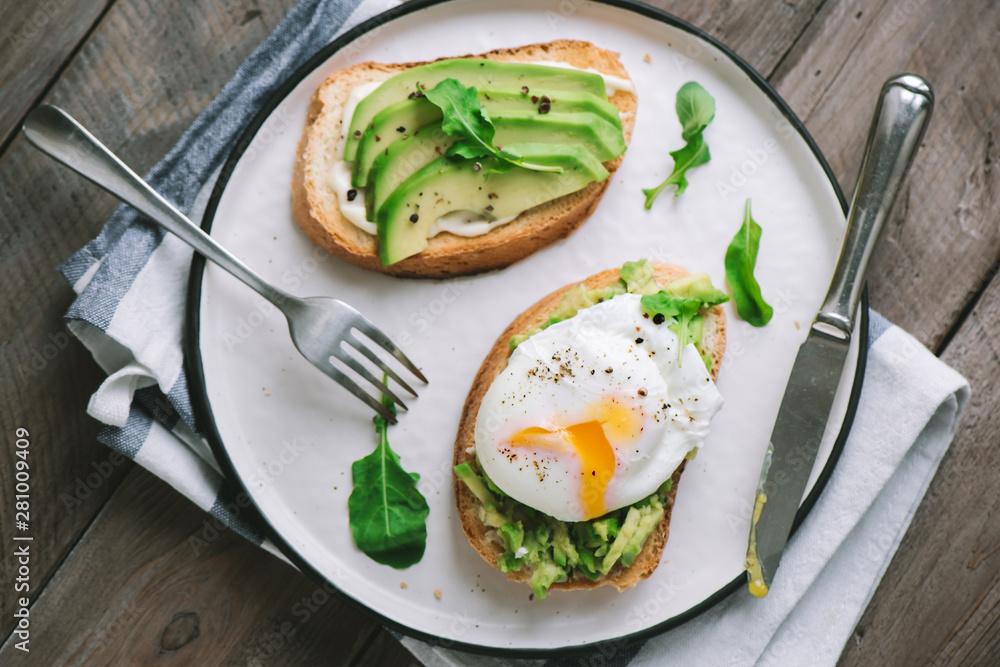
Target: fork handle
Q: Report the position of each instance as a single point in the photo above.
(55, 132)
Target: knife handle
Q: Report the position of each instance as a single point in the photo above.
(904, 107)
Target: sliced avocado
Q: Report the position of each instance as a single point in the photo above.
(480, 73)
(601, 137)
(492, 517)
(404, 157)
(697, 286)
(649, 519)
(499, 101)
(606, 528)
(475, 483)
(628, 529)
(563, 550)
(408, 117)
(396, 121)
(454, 184)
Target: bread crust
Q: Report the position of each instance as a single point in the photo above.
(315, 207)
(475, 530)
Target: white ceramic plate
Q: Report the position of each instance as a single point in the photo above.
(290, 434)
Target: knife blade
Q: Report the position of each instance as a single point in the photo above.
(901, 116)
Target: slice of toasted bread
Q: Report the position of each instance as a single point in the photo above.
(314, 201)
(714, 341)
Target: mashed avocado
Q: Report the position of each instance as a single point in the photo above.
(555, 550)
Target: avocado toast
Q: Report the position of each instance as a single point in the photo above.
(555, 556)
(397, 157)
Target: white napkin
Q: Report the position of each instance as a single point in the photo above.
(910, 406)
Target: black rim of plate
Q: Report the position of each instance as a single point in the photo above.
(206, 420)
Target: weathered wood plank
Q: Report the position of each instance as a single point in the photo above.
(139, 81)
(385, 650)
(36, 40)
(138, 588)
(760, 32)
(938, 600)
(929, 268)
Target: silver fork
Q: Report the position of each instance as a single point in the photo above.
(322, 328)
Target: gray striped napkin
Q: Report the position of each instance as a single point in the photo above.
(131, 280)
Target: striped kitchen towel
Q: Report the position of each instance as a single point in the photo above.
(131, 280)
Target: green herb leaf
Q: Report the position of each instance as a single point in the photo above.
(681, 309)
(695, 110)
(684, 309)
(386, 511)
(741, 258)
(465, 117)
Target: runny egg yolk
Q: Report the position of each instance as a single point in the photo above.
(589, 440)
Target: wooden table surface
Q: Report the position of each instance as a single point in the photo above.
(113, 577)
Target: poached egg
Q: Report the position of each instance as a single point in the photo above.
(594, 413)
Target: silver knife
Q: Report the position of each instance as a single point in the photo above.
(901, 116)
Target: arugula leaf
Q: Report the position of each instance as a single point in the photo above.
(684, 310)
(465, 117)
(386, 512)
(741, 258)
(669, 305)
(695, 110)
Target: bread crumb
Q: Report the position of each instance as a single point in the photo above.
(647, 59)
(267, 393)
(402, 585)
(796, 323)
(437, 593)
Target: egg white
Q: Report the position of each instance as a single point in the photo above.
(608, 352)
